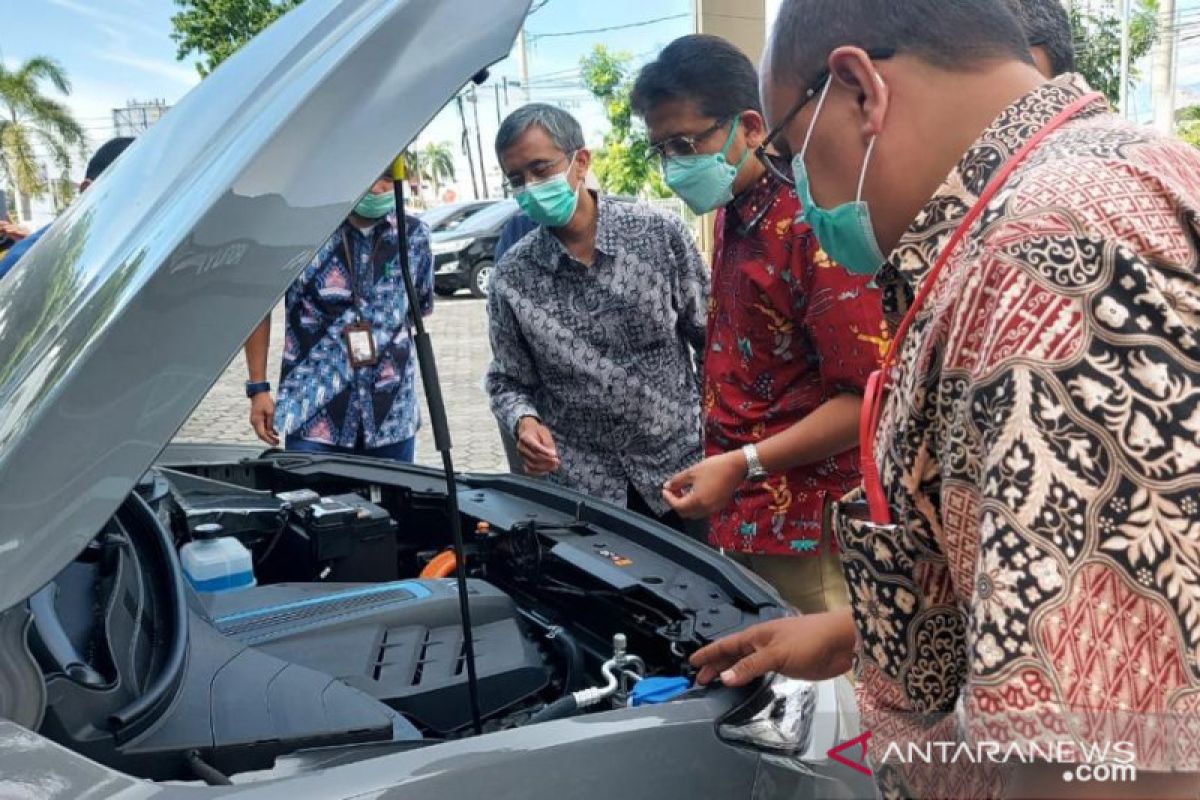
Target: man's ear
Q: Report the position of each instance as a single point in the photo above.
(583, 161)
(853, 69)
(754, 126)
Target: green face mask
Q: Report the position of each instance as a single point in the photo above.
(705, 181)
(845, 232)
(376, 206)
(552, 202)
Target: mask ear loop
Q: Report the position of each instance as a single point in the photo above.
(812, 126)
(862, 178)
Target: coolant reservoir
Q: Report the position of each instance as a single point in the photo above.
(214, 563)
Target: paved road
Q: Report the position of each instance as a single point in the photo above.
(459, 330)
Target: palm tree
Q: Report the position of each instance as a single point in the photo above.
(30, 119)
(438, 161)
(412, 170)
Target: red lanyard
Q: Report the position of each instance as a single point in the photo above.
(873, 402)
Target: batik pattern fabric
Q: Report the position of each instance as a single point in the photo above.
(322, 398)
(788, 330)
(1039, 448)
(605, 354)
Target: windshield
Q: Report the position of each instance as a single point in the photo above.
(447, 218)
(488, 218)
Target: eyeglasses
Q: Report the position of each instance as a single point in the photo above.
(772, 164)
(536, 172)
(682, 146)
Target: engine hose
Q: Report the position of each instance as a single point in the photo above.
(205, 771)
(566, 645)
(443, 565)
(559, 709)
(571, 652)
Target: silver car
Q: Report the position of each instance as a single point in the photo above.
(342, 673)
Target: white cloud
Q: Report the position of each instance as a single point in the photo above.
(122, 50)
(107, 16)
(178, 73)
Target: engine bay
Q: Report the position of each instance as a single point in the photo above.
(349, 634)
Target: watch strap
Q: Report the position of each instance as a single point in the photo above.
(754, 467)
(254, 388)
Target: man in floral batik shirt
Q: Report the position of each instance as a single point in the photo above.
(1026, 569)
(348, 383)
(791, 340)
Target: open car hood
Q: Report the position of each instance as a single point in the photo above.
(116, 324)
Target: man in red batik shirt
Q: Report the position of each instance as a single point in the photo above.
(791, 341)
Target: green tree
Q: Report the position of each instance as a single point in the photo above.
(437, 160)
(1188, 125)
(1097, 27)
(31, 119)
(216, 29)
(624, 165)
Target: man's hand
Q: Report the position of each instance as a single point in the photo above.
(815, 647)
(12, 231)
(262, 418)
(706, 488)
(536, 446)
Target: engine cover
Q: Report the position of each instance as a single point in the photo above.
(398, 642)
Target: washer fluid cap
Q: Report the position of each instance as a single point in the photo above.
(652, 691)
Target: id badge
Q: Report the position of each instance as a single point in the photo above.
(360, 345)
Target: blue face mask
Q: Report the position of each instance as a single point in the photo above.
(552, 202)
(376, 206)
(705, 181)
(845, 233)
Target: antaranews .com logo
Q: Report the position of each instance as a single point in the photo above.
(1109, 762)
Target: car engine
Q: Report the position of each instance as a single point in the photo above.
(345, 631)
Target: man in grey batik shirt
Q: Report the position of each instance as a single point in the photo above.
(596, 320)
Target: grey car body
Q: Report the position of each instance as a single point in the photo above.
(115, 325)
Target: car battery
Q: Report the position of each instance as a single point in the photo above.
(346, 539)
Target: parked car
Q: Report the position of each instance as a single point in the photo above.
(443, 219)
(465, 257)
(331, 664)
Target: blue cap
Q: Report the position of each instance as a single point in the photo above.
(652, 691)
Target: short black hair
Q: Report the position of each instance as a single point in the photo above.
(707, 70)
(1048, 26)
(950, 34)
(107, 154)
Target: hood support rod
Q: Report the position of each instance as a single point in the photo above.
(441, 438)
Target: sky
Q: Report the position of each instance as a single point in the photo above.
(120, 50)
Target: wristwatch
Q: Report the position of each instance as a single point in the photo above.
(256, 388)
(754, 468)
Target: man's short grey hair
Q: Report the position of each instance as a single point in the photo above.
(562, 128)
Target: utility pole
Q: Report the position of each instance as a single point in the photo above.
(1163, 78)
(466, 146)
(1125, 57)
(499, 119)
(523, 63)
(479, 141)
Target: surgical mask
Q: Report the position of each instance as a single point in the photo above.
(552, 202)
(376, 206)
(845, 233)
(705, 181)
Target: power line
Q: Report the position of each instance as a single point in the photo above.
(644, 23)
